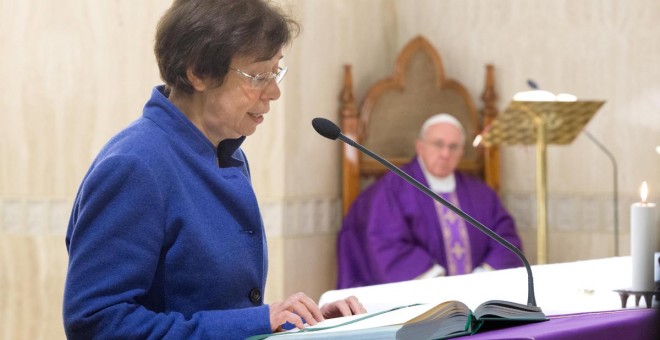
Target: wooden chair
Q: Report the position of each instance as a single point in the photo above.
(394, 109)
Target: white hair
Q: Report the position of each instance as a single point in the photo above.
(442, 118)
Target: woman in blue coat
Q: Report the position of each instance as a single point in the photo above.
(165, 238)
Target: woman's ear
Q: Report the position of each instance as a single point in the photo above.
(197, 83)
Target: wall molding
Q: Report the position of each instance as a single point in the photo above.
(322, 215)
(33, 216)
(588, 212)
(312, 216)
(302, 217)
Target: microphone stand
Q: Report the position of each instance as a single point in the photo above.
(615, 195)
(321, 124)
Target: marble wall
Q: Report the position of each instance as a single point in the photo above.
(594, 49)
(75, 72)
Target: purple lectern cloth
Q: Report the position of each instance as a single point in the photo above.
(392, 232)
(625, 324)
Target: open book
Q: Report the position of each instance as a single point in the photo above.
(422, 321)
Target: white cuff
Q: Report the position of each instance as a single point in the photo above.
(435, 271)
(485, 267)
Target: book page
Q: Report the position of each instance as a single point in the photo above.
(508, 310)
(443, 310)
(396, 316)
(449, 319)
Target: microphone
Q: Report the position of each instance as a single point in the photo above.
(330, 130)
(532, 84)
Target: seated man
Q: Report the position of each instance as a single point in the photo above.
(394, 232)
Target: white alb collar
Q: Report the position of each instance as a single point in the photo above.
(438, 184)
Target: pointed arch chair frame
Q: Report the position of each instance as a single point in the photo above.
(393, 109)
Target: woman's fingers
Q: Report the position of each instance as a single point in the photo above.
(345, 307)
(295, 309)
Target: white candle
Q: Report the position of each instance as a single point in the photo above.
(642, 242)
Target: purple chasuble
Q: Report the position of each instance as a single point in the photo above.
(392, 231)
(455, 237)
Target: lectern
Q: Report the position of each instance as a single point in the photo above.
(540, 123)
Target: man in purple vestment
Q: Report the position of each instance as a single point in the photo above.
(394, 232)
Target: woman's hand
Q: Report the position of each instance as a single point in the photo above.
(293, 310)
(345, 307)
(299, 307)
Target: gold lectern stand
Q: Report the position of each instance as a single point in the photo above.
(540, 123)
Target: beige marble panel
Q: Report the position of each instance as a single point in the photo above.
(276, 269)
(304, 263)
(310, 264)
(32, 272)
(574, 246)
(315, 59)
(595, 49)
(73, 74)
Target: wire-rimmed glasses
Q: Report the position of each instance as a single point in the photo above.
(260, 80)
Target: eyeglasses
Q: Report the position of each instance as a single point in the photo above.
(440, 145)
(262, 79)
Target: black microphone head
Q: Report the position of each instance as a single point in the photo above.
(326, 128)
(532, 84)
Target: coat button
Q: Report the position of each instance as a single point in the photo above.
(255, 295)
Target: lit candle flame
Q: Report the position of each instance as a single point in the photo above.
(644, 192)
(477, 141)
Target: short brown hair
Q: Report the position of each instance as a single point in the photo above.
(206, 34)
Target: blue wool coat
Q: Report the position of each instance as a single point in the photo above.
(165, 239)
